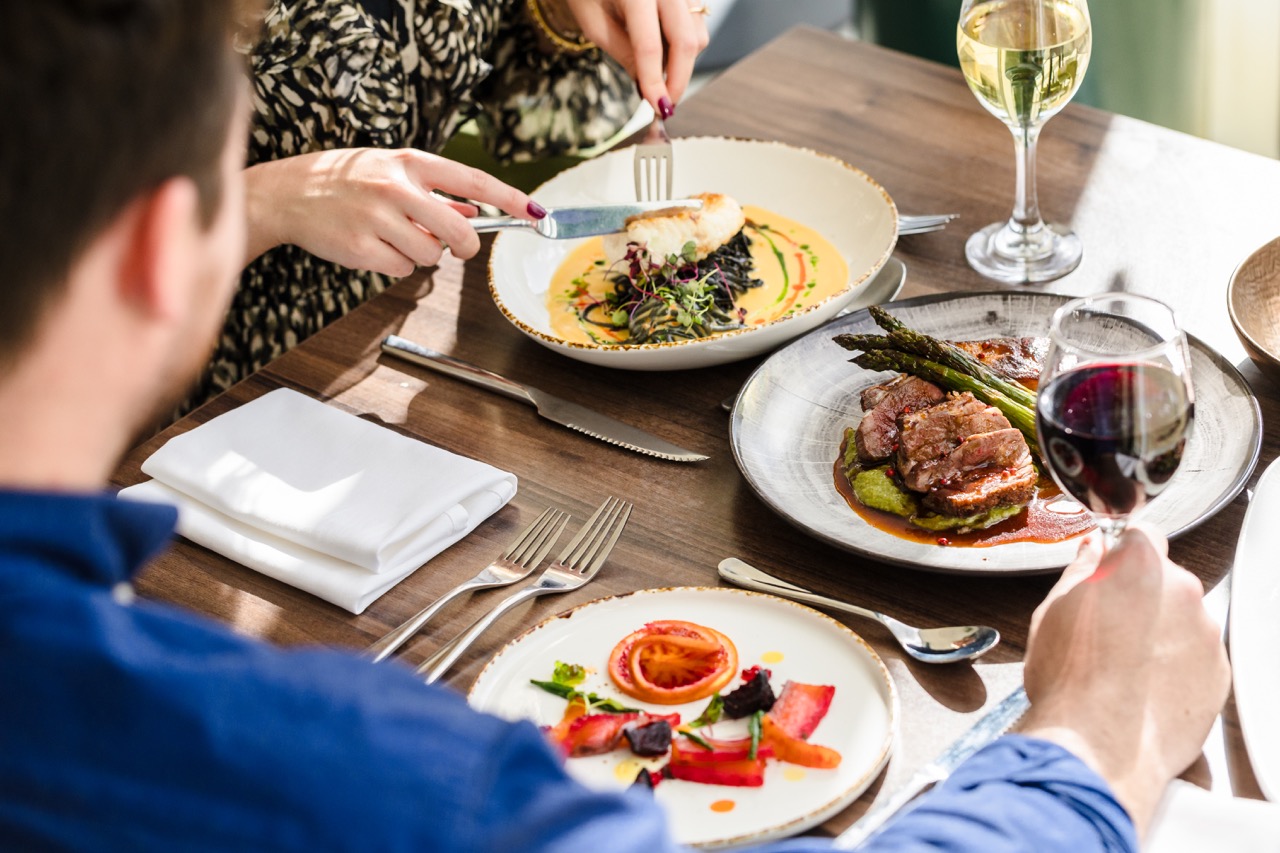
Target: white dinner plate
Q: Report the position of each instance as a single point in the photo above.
(1254, 631)
(790, 417)
(793, 641)
(840, 202)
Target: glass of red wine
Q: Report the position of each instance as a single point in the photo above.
(1115, 404)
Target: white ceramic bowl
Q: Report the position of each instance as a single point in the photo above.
(840, 202)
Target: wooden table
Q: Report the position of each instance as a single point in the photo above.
(1160, 213)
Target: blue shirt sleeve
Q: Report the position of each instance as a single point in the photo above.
(1018, 794)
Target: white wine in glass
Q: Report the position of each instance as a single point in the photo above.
(1024, 60)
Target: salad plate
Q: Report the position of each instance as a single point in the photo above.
(794, 642)
(789, 419)
(843, 204)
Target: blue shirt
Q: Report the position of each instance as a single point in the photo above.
(138, 726)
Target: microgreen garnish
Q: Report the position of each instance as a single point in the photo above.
(710, 714)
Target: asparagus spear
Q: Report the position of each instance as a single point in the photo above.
(943, 352)
(1022, 417)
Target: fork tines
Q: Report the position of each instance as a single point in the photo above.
(653, 164)
(588, 550)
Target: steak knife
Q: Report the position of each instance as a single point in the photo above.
(568, 223)
(994, 723)
(550, 407)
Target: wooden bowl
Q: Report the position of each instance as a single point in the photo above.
(1253, 300)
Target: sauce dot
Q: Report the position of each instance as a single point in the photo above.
(627, 771)
(723, 806)
(771, 657)
(793, 774)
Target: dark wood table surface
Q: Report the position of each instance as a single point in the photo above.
(1160, 213)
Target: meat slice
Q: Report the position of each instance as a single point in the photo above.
(872, 396)
(984, 489)
(877, 432)
(935, 443)
(1019, 359)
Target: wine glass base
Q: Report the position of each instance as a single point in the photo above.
(1000, 253)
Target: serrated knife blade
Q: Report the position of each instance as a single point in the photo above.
(552, 408)
(994, 723)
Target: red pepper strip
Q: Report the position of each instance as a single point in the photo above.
(793, 750)
(594, 734)
(575, 709)
(800, 707)
(728, 764)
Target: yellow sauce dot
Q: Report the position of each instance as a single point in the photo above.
(771, 657)
(792, 774)
(627, 771)
(723, 806)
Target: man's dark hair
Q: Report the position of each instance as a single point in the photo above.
(101, 101)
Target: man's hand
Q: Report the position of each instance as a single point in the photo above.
(372, 209)
(1125, 668)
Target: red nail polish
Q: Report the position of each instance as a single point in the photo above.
(536, 210)
(665, 107)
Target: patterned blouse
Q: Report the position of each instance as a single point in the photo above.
(390, 74)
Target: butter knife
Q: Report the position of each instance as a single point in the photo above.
(994, 723)
(552, 408)
(567, 223)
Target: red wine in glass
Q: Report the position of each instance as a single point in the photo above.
(1115, 403)
(1114, 433)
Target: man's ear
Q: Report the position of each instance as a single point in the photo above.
(160, 251)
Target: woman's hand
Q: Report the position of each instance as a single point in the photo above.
(649, 38)
(373, 209)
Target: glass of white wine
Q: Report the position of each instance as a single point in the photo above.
(1024, 59)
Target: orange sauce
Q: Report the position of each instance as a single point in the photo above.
(723, 806)
(1048, 518)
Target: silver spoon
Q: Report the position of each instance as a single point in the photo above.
(931, 645)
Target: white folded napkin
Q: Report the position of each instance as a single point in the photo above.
(315, 497)
(1193, 820)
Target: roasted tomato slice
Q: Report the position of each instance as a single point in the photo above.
(672, 662)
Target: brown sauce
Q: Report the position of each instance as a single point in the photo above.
(1050, 517)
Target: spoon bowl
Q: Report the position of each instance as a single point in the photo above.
(929, 645)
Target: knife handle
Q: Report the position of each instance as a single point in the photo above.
(485, 224)
(441, 363)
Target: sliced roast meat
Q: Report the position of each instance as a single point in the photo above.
(1013, 358)
(873, 395)
(1001, 448)
(931, 434)
(877, 432)
(984, 489)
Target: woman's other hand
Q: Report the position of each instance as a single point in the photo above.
(373, 209)
(657, 41)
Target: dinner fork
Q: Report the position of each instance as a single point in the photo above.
(923, 224)
(577, 564)
(515, 564)
(653, 162)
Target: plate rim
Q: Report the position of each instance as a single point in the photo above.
(847, 293)
(1219, 361)
(1236, 631)
(814, 815)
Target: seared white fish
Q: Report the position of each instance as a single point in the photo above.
(665, 232)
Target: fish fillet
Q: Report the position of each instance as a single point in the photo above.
(665, 232)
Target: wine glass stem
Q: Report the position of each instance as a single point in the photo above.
(1110, 528)
(1026, 204)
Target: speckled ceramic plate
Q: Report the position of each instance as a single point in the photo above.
(794, 641)
(842, 203)
(789, 419)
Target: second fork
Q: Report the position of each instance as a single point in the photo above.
(577, 564)
(514, 565)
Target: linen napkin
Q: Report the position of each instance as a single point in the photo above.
(320, 499)
(1193, 820)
